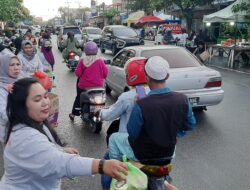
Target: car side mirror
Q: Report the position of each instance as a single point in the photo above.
(107, 61)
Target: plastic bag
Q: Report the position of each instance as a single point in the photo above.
(43, 79)
(135, 180)
(51, 75)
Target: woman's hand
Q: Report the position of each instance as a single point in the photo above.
(115, 169)
(9, 87)
(70, 150)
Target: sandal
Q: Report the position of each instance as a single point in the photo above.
(71, 116)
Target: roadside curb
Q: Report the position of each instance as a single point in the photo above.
(223, 68)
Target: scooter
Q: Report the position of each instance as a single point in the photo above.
(72, 60)
(91, 101)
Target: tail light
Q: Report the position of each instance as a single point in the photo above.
(157, 171)
(214, 82)
(72, 54)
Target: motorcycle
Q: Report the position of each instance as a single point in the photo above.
(8, 44)
(91, 101)
(72, 60)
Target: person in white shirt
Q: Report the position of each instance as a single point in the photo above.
(33, 156)
(183, 38)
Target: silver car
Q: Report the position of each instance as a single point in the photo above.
(91, 34)
(188, 75)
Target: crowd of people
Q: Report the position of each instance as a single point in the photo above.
(35, 157)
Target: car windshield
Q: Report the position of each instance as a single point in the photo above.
(75, 30)
(123, 31)
(177, 58)
(94, 31)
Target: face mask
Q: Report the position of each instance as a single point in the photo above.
(47, 48)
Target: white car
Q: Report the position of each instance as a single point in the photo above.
(202, 85)
(35, 31)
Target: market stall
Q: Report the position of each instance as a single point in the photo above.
(227, 15)
(134, 17)
(148, 19)
(235, 46)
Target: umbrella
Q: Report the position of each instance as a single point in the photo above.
(146, 19)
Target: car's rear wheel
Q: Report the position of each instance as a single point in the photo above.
(102, 48)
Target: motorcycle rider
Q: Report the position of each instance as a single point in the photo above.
(91, 73)
(71, 44)
(155, 120)
(18, 43)
(135, 75)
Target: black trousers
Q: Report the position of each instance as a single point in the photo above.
(76, 106)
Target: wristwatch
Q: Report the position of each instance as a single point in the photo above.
(100, 166)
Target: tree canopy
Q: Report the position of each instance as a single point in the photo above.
(13, 11)
(244, 6)
(186, 7)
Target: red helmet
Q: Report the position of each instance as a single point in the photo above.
(135, 72)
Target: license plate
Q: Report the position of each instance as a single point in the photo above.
(96, 108)
(194, 101)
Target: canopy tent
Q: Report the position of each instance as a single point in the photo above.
(227, 15)
(134, 17)
(163, 16)
(148, 19)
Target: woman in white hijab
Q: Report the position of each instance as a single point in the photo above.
(10, 68)
(29, 59)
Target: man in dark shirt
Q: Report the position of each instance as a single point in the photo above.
(155, 120)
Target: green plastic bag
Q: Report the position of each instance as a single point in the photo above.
(135, 180)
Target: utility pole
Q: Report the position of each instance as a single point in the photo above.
(79, 6)
(67, 2)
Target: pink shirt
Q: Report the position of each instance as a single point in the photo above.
(92, 76)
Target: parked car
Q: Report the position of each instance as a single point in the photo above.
(62, 36)
(188, 75)
(116, 37)
(91, 34)
(34, 30)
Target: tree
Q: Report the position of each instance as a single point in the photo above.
(110, 14)
(244, 6)
(82, 13)
(186, 7)
(13, 11)
(63, 11)
(145, 5)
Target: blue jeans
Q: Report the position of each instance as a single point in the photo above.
(119, 146)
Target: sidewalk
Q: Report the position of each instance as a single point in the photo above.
(219, 61)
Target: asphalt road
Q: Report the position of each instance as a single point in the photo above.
(215, 156)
